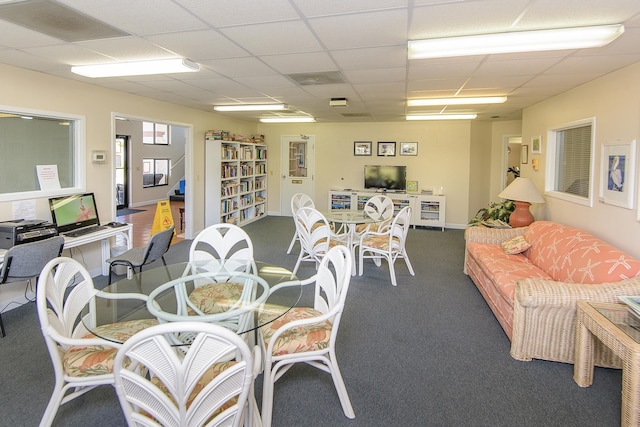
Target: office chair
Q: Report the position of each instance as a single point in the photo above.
(23, 262)
(155, 249)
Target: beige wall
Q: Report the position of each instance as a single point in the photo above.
(614, 100)
(443, 158)
(27, 89)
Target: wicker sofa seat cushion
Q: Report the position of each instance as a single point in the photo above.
(571, 255)
(502, 269)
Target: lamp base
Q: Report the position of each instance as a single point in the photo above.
(521, 216)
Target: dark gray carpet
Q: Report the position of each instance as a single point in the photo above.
(427, 353)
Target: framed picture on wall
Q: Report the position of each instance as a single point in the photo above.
(362, 148)
(536, 145)
(524, 154)
(386, 149)
(408, 148)
(618, 173)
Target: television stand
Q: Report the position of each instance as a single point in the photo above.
(426, 210)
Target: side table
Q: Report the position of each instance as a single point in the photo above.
(616, 328)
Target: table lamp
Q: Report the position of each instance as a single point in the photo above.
(523, 192)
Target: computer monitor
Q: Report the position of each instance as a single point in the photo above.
(73, 212)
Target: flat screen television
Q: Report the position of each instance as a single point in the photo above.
(73, 212)
(385, 177)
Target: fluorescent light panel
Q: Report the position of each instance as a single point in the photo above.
(250, 107)
(288, 120)
(456, 101)
(160, 66)
(442, 116)
(520, 41)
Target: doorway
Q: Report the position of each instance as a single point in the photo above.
(297, 160)
(511, 162)
(122, 171)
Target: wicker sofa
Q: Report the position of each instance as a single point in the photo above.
(533, 293)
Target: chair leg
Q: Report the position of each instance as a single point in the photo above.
(2, 327)
(110, 273)
(347, 408)
(293, 242)
(406, 260)
(267, 395)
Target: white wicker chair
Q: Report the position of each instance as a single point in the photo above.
(208, 382)
(308, 334)
(299, 200)
(315, 236)
(81, 361)
(389, 244)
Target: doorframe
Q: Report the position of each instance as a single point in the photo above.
(127, 167)
(283, 167)
(505, 158)
(189, 171)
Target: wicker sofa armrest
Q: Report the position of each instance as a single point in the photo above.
(481, 234)
(544, 315)
(491, 235)
(533, 292)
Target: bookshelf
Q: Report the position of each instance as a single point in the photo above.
(235, 178)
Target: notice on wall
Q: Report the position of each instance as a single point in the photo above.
(48, 177)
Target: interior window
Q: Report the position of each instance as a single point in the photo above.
(35, 141)
(155, 133)
(570, 160)
(155, 172)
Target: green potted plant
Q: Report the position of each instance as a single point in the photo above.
(495, 212)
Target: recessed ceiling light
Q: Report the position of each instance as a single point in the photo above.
(518, 41)
(250, 107)
(442, 116)
(288, 120)
(456, 101)
(139, 68)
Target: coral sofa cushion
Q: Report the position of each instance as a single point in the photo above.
(502, 269)
(572, 255)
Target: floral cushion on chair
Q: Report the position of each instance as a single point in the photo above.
(377, 242)
(215, 297)
(299, 339)
(85, 361)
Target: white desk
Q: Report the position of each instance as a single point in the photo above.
(102, 236)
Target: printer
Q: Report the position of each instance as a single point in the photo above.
(24, 231)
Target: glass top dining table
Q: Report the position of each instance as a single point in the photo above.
(163, 293)
(350, 220)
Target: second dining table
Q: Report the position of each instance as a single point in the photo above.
(350, 220)
(166, 294)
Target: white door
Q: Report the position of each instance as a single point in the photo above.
(297, 162)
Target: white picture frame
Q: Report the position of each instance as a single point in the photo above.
(617, 177)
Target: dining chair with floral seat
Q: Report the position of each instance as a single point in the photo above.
(380, 208)
(315, 235)
(206, 382)
(217, 248)
(81, 361)
(299, 200)
(308, 334)
(389, 244)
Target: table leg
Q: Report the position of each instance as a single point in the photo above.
(630, 412)
(584, 346)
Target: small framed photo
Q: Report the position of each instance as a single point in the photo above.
(524, 154)
(362, 148)
(618, 173)
(536, 145)
(408, 148)
(386, 149)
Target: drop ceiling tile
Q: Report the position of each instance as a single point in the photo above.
(239, 67)
(199, 45)
(274, 38)
(18, 37)
(227, 13)
(300, 62)
(314, 8)
(368, 58)
(140, 17)
(265, 82)
(379, 75)
(371, 29)
(127, 49)
(69, 54)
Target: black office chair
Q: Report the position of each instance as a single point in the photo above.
(137, 257)
(26, 261)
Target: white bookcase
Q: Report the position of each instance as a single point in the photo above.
(235, 181)
(426, 210)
